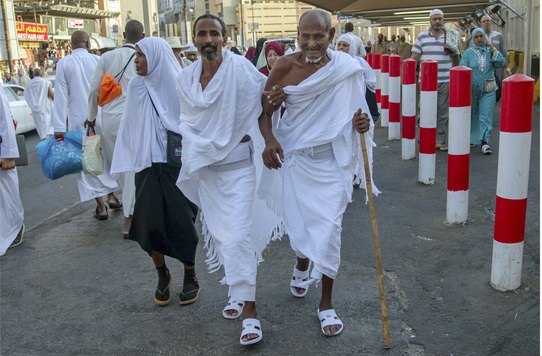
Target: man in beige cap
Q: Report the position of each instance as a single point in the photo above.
(176, 46)
(191, 52)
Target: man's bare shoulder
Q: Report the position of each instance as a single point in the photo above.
(287, 62)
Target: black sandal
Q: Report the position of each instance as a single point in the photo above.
(162, 296)
(191, 288)
(98, 216)
(116, 205)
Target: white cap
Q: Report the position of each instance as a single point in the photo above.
(190, 47)
(436, 12)
(174, 42)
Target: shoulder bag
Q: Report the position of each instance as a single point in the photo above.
(111, 89)
(174, 146)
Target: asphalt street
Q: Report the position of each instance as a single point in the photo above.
(76, 287)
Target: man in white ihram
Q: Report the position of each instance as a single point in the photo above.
(39, 95)
(11, 207)
(118, 62)
(72, 87)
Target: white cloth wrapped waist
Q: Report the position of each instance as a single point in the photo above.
(317, 152)
(239, 157)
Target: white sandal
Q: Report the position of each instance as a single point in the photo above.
(251, 326)
(298, 279)
(327, 318)
(233, 304)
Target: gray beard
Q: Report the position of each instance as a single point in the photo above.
(313, 61)
(209, 56)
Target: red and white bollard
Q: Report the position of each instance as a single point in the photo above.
(512, 181)
(369, 59)
(457, 199)
(376, 70)
(385, 84)
(428, 121)
(394, 131)
(408, 142)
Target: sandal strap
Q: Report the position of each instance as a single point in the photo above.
(251, 326)
(329, 317)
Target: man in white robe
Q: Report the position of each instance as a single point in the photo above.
(11, 207)
(220, 103)
(72, 87)
(318, 147)
(39, 95)
(113, 63)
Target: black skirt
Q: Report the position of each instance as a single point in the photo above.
(163, 219)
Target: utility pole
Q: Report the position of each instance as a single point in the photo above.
(253, 27)
(185, 39)
(6, 34)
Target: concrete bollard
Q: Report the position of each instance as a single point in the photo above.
(385, 85)
(428, 121)
(408, 141)
(512, 181)
(376, 70)
(394, 131)
(457, 201)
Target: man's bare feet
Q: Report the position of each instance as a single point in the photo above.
(126, 226)
(326, 305)
(113, 202)
(250, 313)
(302, 265)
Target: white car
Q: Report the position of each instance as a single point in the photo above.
(19, 108)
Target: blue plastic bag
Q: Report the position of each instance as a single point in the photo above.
(60, 158)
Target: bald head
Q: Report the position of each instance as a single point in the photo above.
(134, 31)
(321, 17)
(485, 24)
(37, 72)
(80, 39)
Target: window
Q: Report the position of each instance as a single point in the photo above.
(10, 94)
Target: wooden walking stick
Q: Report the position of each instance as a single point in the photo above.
(385, 323)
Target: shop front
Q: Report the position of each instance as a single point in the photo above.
(32, 37)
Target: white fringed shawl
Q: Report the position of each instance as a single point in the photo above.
(213, 122)
(320, 110)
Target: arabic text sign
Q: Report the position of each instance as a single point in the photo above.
(31, 31)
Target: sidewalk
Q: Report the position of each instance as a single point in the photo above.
(76, 287)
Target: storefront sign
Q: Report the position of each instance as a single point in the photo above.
(31, 31)
(73, 23)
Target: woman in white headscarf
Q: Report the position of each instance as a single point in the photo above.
(347, 44)
(163, 220)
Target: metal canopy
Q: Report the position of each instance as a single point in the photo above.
(385, 12)
(66, 10)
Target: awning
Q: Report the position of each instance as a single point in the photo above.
(67, 11)
(392, 12)
(98, 42)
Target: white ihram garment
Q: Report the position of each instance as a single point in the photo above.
(36, 95)
(11, 207)
(112, 63)
(72, 86)
(236, 225)
(322, 155)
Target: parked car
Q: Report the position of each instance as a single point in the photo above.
(19, 108)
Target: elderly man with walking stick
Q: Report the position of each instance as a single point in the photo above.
(317, 148)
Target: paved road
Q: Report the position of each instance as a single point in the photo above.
(76, 287)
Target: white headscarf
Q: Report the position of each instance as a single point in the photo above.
(350, 40)
(368, 74)
(142, 132)
(161, 79)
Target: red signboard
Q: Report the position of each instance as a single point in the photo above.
(31, 32)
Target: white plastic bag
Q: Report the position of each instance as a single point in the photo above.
(93, 162)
